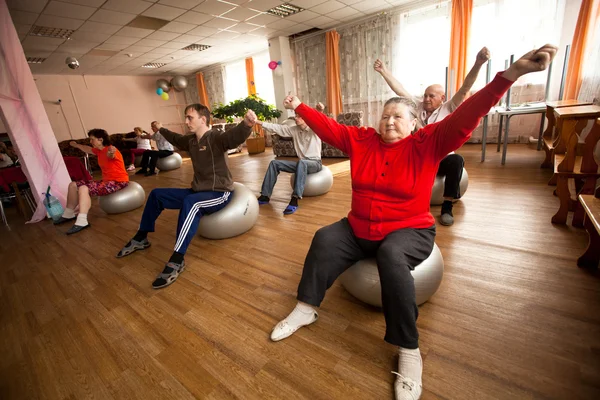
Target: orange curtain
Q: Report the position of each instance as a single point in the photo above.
(250, 76)
(334, 91)
(459, 38)
(587, 20)
(202, 95)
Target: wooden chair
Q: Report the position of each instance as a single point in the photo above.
(577, 166)
(591, 257)
(569, 120)
(549, 134)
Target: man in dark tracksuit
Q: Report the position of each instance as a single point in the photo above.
(211, 189)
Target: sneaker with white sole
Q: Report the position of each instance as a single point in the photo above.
(291, 324)
(406, 388)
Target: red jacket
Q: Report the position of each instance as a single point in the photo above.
(391, 183)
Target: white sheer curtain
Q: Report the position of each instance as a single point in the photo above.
(236, 85)
(263, 78)
(363, 89)
(421, 47)
(590, 86)
(214, 79)
(191, 90)
(309, 55)
(508, 27)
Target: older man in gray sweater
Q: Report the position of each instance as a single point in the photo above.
(308, 149)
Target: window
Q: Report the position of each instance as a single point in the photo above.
(263, 78)
(236, 86)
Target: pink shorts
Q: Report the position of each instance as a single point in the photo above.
(102, 188)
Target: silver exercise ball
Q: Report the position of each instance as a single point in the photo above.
(316, 184)
(163, 84)
(362, 279)
(137, 161)
(237, 217)
(126, 199)
(437, 193)
(179, 83)
(168, 163)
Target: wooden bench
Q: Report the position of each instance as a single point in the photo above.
(549, 134)
(591, 257)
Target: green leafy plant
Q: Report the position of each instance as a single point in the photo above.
(238, 108)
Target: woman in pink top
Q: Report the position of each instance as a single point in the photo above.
(392, 171)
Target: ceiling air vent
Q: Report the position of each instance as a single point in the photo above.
(285, 10)
(47, 31)
(154, 65)
(196, 47)
(35, 60)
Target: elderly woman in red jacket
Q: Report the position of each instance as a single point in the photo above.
(392, 169)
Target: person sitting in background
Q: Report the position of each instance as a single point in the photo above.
(5, 159)
(114, 178)
(143, 144)
(435, 108)
(150, 157)
(308, 149)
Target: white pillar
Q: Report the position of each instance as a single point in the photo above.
(283, 83)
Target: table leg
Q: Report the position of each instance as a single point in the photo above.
(539, 146)
(591, 257)
(484, 137)
(505, 139)
(499, 134)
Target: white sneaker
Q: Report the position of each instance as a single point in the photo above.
(292, 323)
(131, 168)
(406, 388)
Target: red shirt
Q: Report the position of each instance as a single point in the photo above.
(113, 169)
(391, 183)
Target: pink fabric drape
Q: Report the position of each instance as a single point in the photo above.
(26, 120)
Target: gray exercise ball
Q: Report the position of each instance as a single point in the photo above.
(126, 199)
(137, 161)
(170, 162)
(237, 217)
(437, 193)
(179, 83)
(316, 184)
(163, 84)
(362, 279)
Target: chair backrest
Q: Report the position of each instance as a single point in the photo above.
(351, 118)
(586, 152)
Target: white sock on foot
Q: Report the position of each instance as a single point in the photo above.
(302, 315)
(81, 220)
(69, 213)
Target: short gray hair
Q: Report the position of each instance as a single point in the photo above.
(410, 104)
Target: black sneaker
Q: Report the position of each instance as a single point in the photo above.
(447, 218)
(77, 229)
(263, 199)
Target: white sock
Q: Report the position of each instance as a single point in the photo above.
(302, 314)
(81, 220)
(410, 364)
(69, 213)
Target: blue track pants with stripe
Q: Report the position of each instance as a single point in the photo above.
(192, 206)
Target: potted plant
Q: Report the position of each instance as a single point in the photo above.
(238, 108)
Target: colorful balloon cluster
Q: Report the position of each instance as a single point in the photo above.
(163, 86)
(162, 93)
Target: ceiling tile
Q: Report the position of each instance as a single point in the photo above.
(159, 52)
(99, 27)
(76, 46)
(225, 35)
(214, 7)
(370, 4)
(58, 22)
(122, 40)
(321, 22)
(22, 29)
(264, 5)
(35, 6)
(112, 17)
(178, 27)
(111, 46)
(344, 13)
(193, 17)
(39, 43)
(92, 37)
(243, 27)
(188, 39)
(140, 49)
(23, 17)
(283, 24)
(263, 19)
(241, 14)
(306, 4)
(187, 4)
(220, 23)
(163, 12)
(172, 45)
(134, 32)
(151, 42)
(262, 32)
(327, 7)
(128, 6)
(69, 10)
(160, 35)
(302, 16)
(91, 3)
(297, 29)
(203, 31)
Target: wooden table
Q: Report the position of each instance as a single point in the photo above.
(591, 257)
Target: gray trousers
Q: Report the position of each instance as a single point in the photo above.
(301, 168)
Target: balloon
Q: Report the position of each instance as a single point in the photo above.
(165, 96)
(159, 91)
(179, 83)
(163, 84)
(278, 62)
(273, 64)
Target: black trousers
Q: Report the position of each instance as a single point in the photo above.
(335, 248)
(452, 166)
(150, 158)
